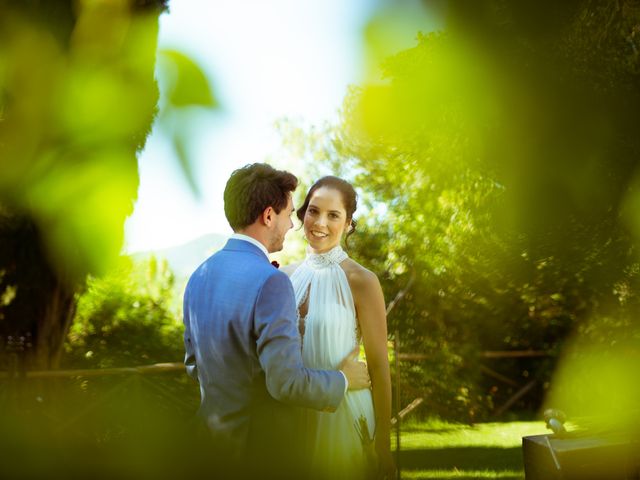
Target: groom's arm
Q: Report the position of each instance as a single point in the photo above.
(279, 351)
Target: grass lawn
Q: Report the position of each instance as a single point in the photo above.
(436, 449)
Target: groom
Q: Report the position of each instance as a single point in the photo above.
(241, 337)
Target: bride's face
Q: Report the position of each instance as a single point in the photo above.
(325, 220)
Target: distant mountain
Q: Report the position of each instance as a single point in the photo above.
(184, 259)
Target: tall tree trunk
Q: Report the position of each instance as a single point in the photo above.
(36, 305)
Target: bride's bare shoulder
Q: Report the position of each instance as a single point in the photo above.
(358, 276)
(364, 284)
(289, 269)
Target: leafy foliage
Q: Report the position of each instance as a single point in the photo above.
(490, 173)
(126, 318)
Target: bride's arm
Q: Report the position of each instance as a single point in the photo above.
(372, 318)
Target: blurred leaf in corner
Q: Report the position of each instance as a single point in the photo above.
(184, 87)
(185, 83)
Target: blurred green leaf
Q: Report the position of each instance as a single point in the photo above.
(184, 86)
(186, 83)
(180, 147)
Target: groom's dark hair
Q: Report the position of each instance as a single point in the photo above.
(253, 188)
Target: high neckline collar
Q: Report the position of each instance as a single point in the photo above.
(326, 259)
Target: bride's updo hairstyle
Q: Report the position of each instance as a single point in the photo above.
(349, 199)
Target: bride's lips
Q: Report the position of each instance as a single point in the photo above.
(319, 235)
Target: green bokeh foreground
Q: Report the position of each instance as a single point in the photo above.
(138, 426)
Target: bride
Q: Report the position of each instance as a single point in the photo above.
(341, 305)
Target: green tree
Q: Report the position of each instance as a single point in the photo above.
(77, 100)
(495, 162)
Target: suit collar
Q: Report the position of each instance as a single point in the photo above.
(253, 241)
(241, 245)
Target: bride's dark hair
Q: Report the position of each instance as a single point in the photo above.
(349, 199)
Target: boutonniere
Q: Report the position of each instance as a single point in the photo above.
(275, 264)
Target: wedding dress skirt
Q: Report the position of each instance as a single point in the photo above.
(340, 443)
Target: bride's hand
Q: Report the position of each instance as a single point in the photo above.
(356, 372)
(386, 462)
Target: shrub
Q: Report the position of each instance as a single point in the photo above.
(126, 318)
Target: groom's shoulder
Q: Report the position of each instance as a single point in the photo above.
(250, 265)
(274, 283)
(232, 263)
(271, 273)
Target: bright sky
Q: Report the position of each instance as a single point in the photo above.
(266, 60)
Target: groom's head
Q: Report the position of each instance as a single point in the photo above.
(257, 202)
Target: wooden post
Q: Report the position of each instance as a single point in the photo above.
(517, 396)
(396, 347)
(406, 410)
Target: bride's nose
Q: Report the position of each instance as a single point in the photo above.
(321, 221)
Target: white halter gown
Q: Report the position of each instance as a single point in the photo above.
(340, 443)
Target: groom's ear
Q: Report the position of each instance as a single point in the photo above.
(268, 216)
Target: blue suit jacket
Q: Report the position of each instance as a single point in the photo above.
(243, 346)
